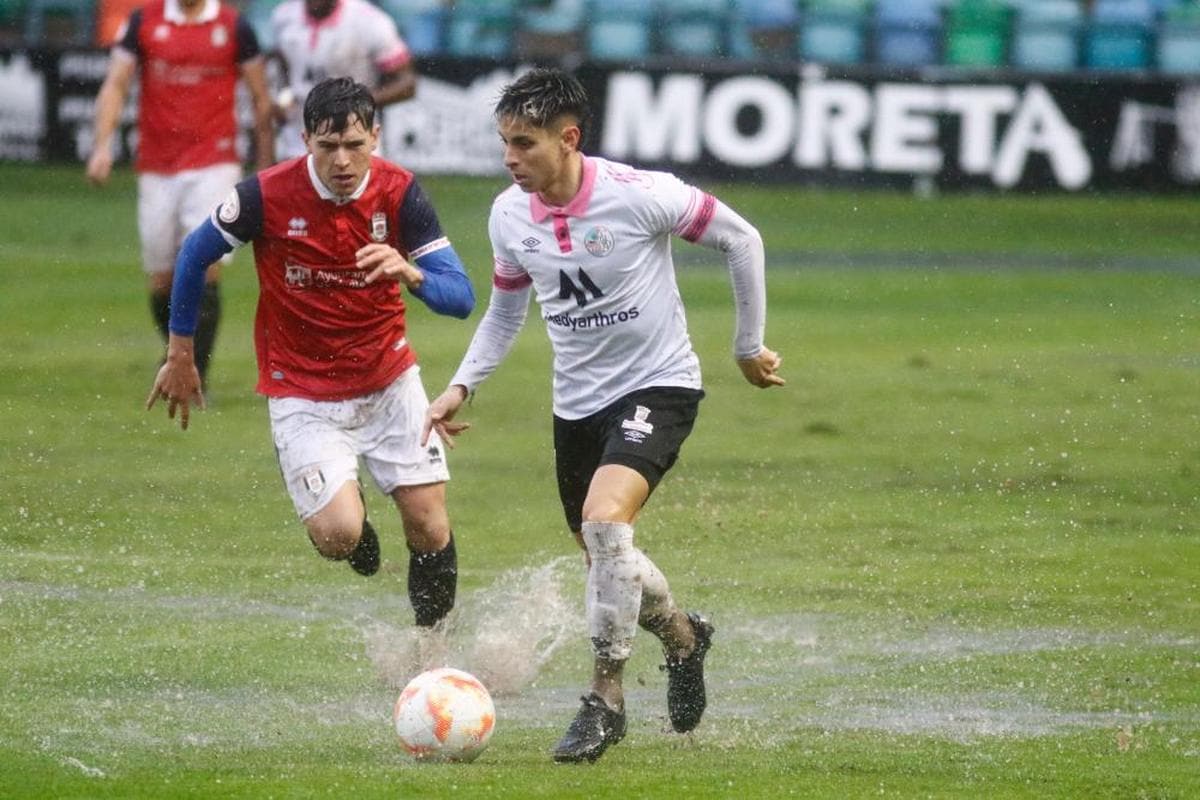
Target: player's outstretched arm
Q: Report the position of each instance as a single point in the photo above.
(762, 370)
(440, 415)
(178, 381)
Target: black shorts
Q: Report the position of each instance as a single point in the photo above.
(644, 431)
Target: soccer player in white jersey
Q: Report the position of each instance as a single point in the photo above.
(318, 39)
(591, 240)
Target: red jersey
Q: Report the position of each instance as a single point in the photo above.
(320, 332)
(189, 72)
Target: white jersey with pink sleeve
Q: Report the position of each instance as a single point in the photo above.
(602, 273)
(356, 40)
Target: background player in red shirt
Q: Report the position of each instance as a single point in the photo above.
(333, 233)
(187, 56)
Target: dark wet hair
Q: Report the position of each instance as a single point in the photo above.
(333, 104)
(542, 95)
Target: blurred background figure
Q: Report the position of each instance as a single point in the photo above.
(318, 39)
(187, 56)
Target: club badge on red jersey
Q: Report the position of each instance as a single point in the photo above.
(379, 229)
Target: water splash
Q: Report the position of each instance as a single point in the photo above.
(504, 634)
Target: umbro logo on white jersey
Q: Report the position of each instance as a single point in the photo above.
(531, 244)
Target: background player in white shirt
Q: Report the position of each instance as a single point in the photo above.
(318, 39)
(591, 240)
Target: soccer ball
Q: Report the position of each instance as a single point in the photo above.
(444, 715)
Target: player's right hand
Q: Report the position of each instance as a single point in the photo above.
(99, 166)
(762, 370)
(439, 416)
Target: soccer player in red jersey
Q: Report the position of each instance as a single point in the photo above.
(333, 234)
(187, 56)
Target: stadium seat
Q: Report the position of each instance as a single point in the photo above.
(258, 14)
(421, 23)
(833, 31)
(59, 22)
(550, 28)
(765, 29)
(1046, 35)
(480, 28)
(908, 32)
(1179, 40)
(1120, 35)
(620, 30)
(696, 28)
(977, 33)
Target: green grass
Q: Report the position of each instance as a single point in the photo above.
(958, 555)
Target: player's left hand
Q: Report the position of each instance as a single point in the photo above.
(384, 261)
(763, 369)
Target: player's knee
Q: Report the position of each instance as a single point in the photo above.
(603, 509)
(426, 521)
(334, 538)
(160, 281)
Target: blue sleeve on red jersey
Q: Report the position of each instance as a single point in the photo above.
(418, 221)
(130, 40)
(202, 247)
(242, 218)
(446, 288)
(247, 41)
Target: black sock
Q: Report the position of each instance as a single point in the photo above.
(432, 580)
(206, 327)
(160, 309)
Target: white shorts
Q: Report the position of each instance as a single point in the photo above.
(169, 206)
(319, 443)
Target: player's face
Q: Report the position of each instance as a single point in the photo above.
(539, 158)
(342, 159)
(319, 8)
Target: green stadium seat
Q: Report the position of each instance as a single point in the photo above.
(977, 33)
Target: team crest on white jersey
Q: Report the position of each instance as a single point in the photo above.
(598, 241)
(379, 227)
(637, 429)
(220, 36)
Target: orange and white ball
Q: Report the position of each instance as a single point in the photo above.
(444, 715)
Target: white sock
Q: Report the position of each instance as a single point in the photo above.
(656, 594)
(614, 588)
